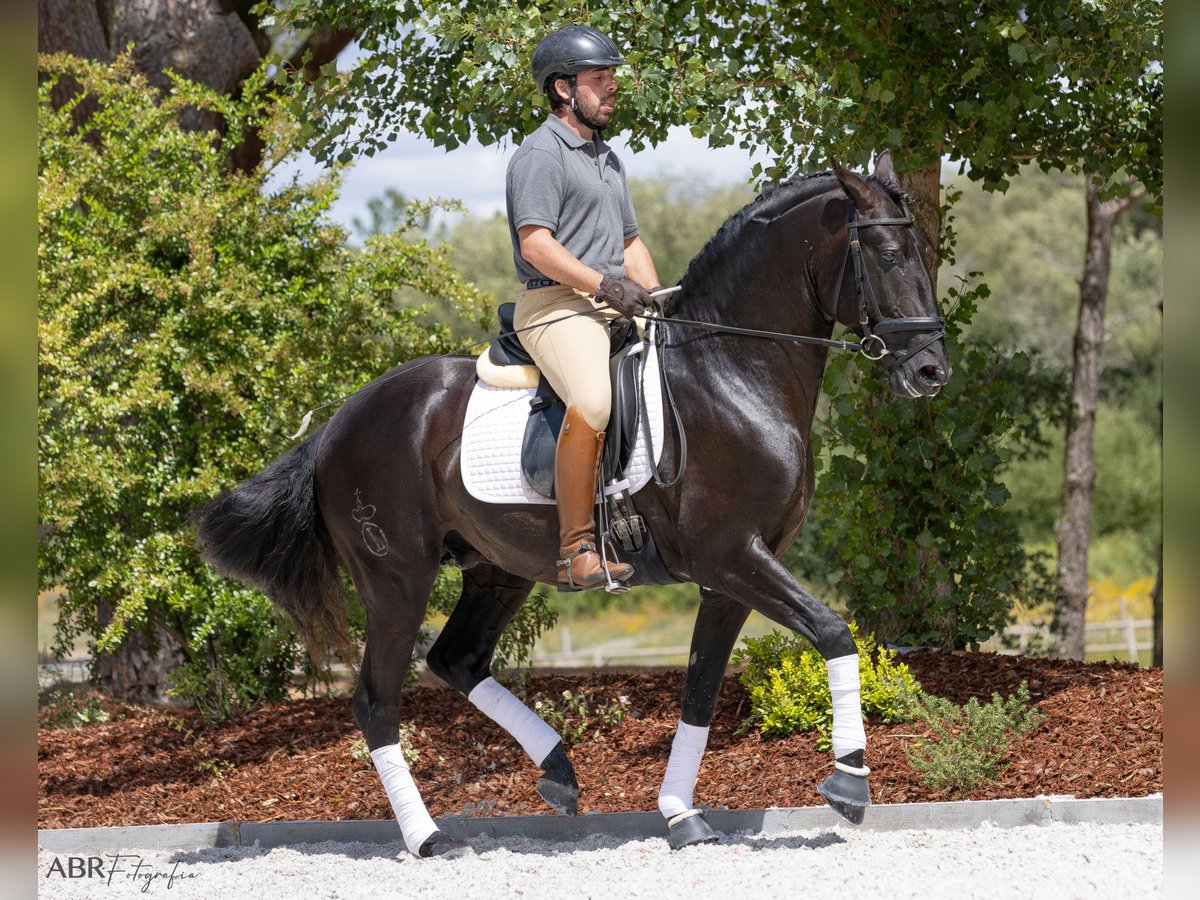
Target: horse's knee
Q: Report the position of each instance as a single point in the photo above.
(833, 638)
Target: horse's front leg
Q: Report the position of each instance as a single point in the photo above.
(760, 581)
(718, 623)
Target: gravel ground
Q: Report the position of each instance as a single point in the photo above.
(1090, 862)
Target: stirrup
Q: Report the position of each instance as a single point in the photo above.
(582, 547)
(608, 582)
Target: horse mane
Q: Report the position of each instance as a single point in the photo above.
(775, 199)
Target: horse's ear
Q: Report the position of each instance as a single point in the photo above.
(884, 167)
(854, 185)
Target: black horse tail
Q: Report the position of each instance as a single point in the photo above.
(268, 533)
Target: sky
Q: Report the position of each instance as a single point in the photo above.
(474, 174)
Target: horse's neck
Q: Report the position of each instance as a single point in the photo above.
(781, 376)
(745, 290)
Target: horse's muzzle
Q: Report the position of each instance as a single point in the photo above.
(923, 374)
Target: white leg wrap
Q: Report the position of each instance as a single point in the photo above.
(500, 705)
(687, 750)
(848, 731)
(415, 822)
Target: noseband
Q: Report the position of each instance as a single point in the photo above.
(873, 345)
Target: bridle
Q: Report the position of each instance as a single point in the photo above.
(873, 346)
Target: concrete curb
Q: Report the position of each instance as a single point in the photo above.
(1040, 810)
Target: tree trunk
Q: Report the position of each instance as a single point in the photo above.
(925, 186)
(81, 29)
(217, 43)
(1072, 531)
(137, 671)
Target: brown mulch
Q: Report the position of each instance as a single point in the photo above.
(1102, 737)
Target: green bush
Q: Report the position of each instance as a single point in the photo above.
(788, 685)
(969, 741)
(187, 316)
(68, 707)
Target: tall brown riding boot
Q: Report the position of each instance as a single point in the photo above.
(576, 469)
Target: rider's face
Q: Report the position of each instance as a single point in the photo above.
(595, 90)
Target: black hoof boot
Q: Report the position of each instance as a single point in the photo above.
(558, 786)
(690, 831)
(441, 844)
(847, 792)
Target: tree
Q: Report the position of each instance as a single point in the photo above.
(187, 317)
(216, 43)
(1070, 84)
(1029, 245)
(1073, 528)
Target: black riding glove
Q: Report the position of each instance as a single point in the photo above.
(624, 295)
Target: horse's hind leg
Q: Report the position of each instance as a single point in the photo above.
(462, 657)
(718, 623)
(395, 601)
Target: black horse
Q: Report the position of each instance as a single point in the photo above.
(379, 487)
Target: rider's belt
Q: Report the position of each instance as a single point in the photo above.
(534, 283)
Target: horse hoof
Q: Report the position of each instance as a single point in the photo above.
(689, 831)
(441, 844)
(848, 794)
(562, 798)
(558, 786)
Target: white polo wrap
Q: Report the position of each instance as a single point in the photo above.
(500, 705)
(848, 732)
(415, 823)
(687, 750)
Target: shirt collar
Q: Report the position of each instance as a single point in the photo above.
(564, 133)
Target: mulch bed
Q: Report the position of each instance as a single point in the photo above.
(1102, 737)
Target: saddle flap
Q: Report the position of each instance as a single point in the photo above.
(541, 439)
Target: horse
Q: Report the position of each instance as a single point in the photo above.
(379, 488)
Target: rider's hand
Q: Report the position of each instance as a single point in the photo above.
(624, 295)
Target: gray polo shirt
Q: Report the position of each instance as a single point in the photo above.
(577, 189)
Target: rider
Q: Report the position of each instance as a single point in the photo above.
(577, 250)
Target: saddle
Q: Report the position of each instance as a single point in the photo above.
(547, 409)
(546, 414)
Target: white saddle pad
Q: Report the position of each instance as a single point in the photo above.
(495, 426)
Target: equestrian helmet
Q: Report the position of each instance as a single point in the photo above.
(571, 50)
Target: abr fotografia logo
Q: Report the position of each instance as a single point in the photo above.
(116, 867)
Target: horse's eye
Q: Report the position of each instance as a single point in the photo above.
(888, 256)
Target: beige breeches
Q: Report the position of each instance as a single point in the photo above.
(571, 350)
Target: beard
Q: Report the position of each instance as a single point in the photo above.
(595, 110)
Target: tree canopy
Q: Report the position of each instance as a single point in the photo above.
(1069, 84)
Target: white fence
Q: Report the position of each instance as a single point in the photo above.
(1127, 637)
